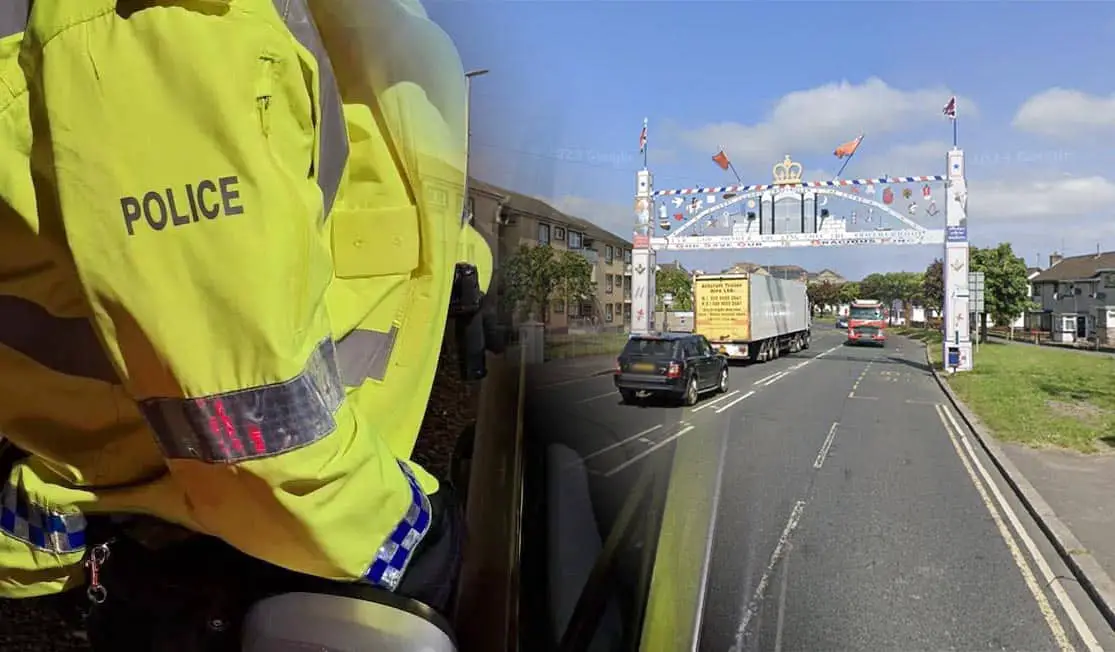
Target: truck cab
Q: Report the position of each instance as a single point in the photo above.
(867, 320)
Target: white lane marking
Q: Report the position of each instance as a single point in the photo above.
(826, 446)
(648, 451)
(1016, 554)
(766, 378)
(597, 397)
(780, 623)
(757, 597)
(863, 398)
(777, 377)
(621, 442)
(715, 401)
(824, 353)
(1051, 580)
(747, 395)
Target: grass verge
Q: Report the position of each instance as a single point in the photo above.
(1037, 396)
(579, 346)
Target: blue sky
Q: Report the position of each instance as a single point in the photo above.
(560, 113)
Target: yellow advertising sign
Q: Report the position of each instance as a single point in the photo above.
(722, 310)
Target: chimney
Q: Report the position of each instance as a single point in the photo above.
(1055, 258)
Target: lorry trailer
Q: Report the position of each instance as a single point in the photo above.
(751, 317)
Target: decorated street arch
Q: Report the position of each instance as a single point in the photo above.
(789, 212)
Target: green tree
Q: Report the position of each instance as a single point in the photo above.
(535, 276)
(907, 288)
(573, 274)
(933, 285)
(823, 295)
(1006, 294)
(848, 292)
(676, 282)
(873, 286)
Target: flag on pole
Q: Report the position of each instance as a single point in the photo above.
(721, 159)
(950, 108)
(643, 137)
(848, 148)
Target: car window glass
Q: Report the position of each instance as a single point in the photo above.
(702, 346)
(690, 348)
(648, 347)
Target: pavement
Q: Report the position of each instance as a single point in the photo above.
(857, 511)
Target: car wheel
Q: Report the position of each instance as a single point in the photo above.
(690, 398)
(723, 380)
(628, 396)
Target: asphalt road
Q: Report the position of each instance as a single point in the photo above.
(855, 511)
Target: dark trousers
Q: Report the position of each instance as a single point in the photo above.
(192, 596)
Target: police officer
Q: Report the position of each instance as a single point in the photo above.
(225, 268)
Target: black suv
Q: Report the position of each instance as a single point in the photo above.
(679, 365)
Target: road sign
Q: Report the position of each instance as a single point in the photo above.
(975, 292)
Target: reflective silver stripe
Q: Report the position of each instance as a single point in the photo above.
(251, 423)
(13, 16)
(333, 153)
(48, 530)
(272, 419)
(364, 354)
(66, 345)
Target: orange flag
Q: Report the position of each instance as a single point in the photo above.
(847, 149)
(721, 159)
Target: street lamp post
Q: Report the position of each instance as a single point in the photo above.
(468, 131)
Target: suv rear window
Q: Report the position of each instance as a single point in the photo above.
(649, 347)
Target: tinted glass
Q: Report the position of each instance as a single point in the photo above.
(649, 347)
(865, 313)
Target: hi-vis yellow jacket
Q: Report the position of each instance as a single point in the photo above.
(225, 267)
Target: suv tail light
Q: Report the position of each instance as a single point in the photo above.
(674, 371)
(618, 369)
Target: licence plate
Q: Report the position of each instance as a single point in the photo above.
(642, 366)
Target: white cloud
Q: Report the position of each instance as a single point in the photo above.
(819, 119)
(1066, 113)
(1076, 202)
(912, 159)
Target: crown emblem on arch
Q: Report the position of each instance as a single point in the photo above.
(787, 172)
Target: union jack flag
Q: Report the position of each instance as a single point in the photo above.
(643, 137)
(950, 108)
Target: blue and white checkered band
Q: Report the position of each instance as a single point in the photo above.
(391, 559)
(48, 530)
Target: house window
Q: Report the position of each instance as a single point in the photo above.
(544, 234)
(608, 312)
(574, 240)
(608, 254)
(470, 209)
(559, 307)
(627, 256)
(607, 283)
(559, 233)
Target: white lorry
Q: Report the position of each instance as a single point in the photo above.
(751, 317)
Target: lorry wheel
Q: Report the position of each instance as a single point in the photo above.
(723, 387)
(690, 398)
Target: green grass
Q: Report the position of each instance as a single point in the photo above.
(1038, 396)
(578, 346)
